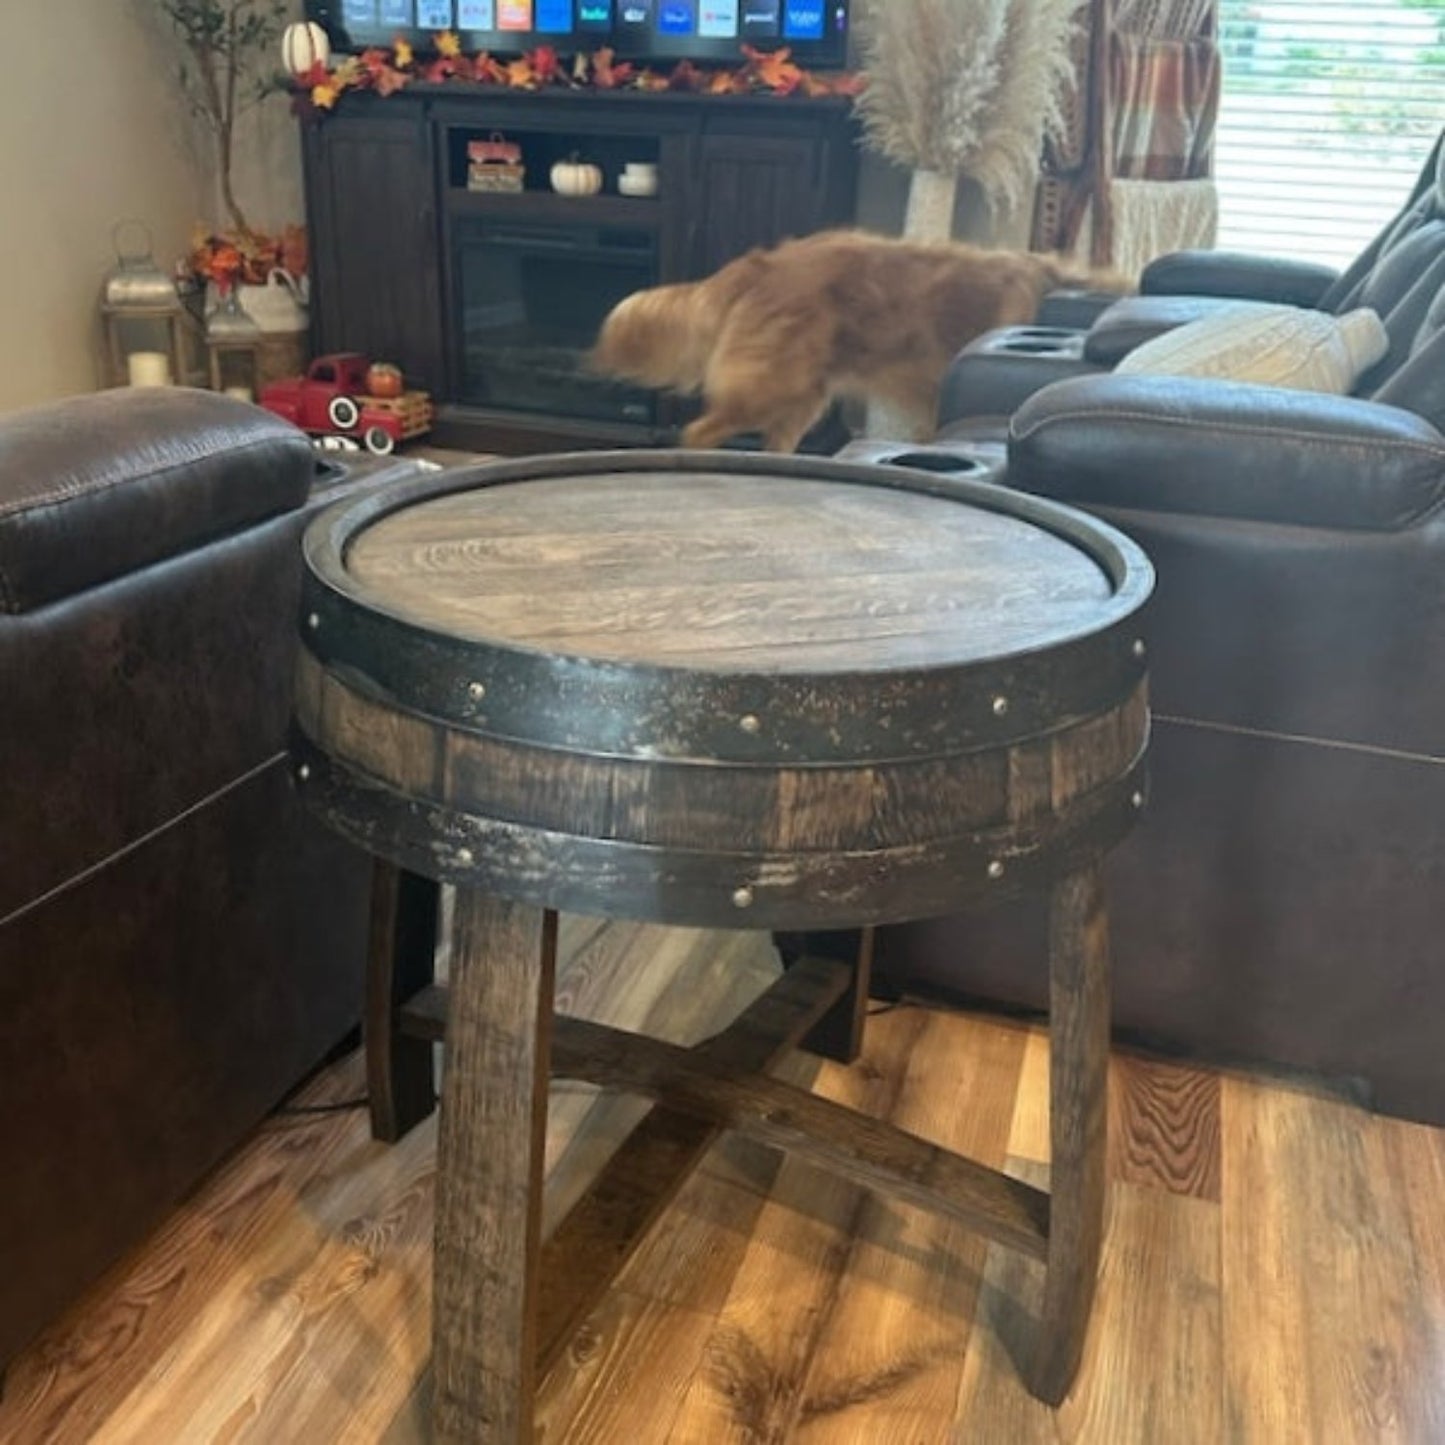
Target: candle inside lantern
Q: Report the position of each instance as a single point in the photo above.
(148, 368)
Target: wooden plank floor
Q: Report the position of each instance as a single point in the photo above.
(1274, 1268)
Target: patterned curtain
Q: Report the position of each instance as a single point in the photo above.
(1165, 98)
(1144, 111)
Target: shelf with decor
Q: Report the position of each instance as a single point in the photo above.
(491, 299)
(549, 206)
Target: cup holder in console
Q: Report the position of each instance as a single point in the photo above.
(946, 463)
(977, 460)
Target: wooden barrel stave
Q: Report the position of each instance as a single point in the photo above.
(671, 803)
(702, 888)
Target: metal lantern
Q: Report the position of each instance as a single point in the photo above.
(233, 343)
(149, 335)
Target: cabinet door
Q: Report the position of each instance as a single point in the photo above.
(375, 249)
(754, 190)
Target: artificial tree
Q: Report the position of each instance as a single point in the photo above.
(227, 47)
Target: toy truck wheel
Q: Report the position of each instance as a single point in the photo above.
(342, 412)
(379, 440)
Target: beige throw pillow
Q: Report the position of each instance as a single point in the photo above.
(1275, 345)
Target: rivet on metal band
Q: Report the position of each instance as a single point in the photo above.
(995, 869)
(476, 691)
(313, 621)
(1139, 649)
(465, 857)
(1000, 706)
(742, 897)
(303, 772)
(749, 723)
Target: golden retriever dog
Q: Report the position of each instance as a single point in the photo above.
(776, 335)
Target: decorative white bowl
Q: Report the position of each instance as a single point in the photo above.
(639, 183)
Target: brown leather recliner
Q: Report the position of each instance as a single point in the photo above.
(1397, 275)
(179, 942)
(1284, 898)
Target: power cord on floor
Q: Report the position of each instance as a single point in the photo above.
(339, 1107)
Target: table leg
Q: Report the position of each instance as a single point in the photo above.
(401, 961)
(1078, 1124)
(489, 1171)
(839, 1033)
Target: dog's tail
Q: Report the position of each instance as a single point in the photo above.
(1066, 272)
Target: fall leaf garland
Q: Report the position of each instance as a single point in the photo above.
(318, 90)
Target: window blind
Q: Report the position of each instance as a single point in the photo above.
(1328, 110)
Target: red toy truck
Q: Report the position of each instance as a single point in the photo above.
(334, 399)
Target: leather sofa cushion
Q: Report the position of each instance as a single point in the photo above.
(94, 487)
(1134, 320)
(1228, 449)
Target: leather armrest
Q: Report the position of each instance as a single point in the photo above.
(996, 372)
(1237, 274)
(1072, 308)
(1228, 449)
(95, 487)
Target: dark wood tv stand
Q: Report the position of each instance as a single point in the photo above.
(390, 216)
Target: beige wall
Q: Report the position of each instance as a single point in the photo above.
(91, 131)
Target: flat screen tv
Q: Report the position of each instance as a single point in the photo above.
(663, 30)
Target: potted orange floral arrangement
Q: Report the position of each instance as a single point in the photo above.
(246, 258)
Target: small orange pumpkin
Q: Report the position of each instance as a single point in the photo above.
(383, 379)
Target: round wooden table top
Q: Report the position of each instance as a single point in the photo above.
(661, 683)
(720, 570)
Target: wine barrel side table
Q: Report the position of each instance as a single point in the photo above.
(715, 690)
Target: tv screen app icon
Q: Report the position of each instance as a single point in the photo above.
(803, 19)
(760, 19)
(718, 19)
(676, 17)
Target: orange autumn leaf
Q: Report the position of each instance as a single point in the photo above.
(488, 69)
(449, 44)
(520, 75)
(726, 82)
(545, 64)
(402, 53)
(606, 75)
(778, 72)
(389, 80)
(325, 96)
(651, 80)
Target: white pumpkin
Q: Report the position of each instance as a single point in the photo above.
(576, 178)
(304, 45)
